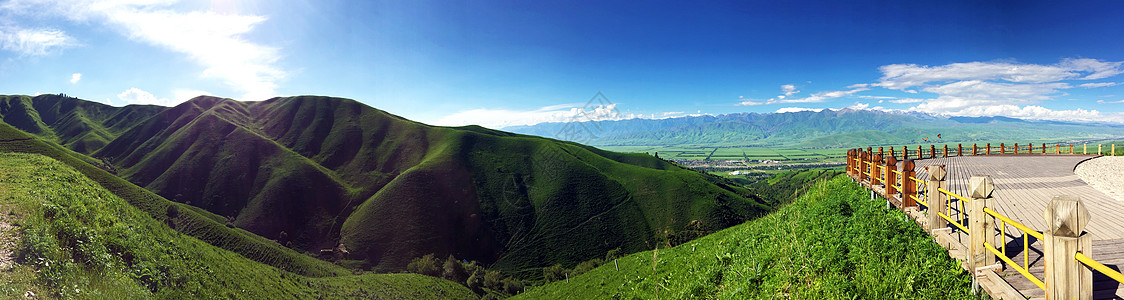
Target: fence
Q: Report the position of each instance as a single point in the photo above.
(1066, 248)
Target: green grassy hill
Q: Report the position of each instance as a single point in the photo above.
(833, 242)
(77, 239)
(312, 172)
(80, 125)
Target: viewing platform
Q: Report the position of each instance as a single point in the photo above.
(1024, 185)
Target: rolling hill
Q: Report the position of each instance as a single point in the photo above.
(826, 128)
(313, 172)
(79, 240)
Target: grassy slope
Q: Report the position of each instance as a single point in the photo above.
(191, 221)
(833, 242)
(326, 170)
(82, 240)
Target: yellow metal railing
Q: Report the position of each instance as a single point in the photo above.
(1099, 267)
(960, 210)
(1003, 221)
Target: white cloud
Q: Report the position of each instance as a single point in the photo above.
(797, 109)
(34, 42)
(999, 88)
(74, 78)
(1102, 101)
(1097, 84)
(819, 97)
(499, 118)
(814, 98)
(1037, 112)
(859, 106)
(904, 76)
(138, 96)
(907, 100)
(789, 89)
(215, 41)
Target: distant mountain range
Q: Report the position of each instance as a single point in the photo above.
(312, 172)
(826, 128)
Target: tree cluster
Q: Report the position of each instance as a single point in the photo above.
(470, 274)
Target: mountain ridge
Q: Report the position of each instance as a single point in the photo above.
(819, 129)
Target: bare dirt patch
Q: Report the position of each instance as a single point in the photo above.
(1106, 174)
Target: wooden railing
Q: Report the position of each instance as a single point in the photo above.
(933, 151)
(1066, 246)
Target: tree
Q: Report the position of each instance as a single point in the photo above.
(425, 265)
(476, 281)
(553, 273)
(613, 254)
(512, 286)
(492, 279)
(454, 270)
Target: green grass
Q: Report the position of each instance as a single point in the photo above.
(831, 243)
(189, 221)
(79, 240)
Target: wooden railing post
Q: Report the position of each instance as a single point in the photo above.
(862, 165)
(988, 148)
(1065, 235)
(892, 152)
(876, 170)
(932, 197)
(851, 162)
(919, 155)
(1002, 148)
(979, 230)
(1030, 148)
(909, 187)
(892, 178)
(1016, 148)
(881, 152)
(932, 151)
(1085, 148)
(959, 149)
(1113, 149)
(905, 152)
(945, 150)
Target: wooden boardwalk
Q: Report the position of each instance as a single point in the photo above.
(1024, 185)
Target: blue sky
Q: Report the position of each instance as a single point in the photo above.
(500, 63)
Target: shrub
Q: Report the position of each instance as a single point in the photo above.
(476, 281)
(553, 273)
(512, 286)
(425, 265)
(454, 270)
(613, 254)
(493, 279)
(585, 266)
